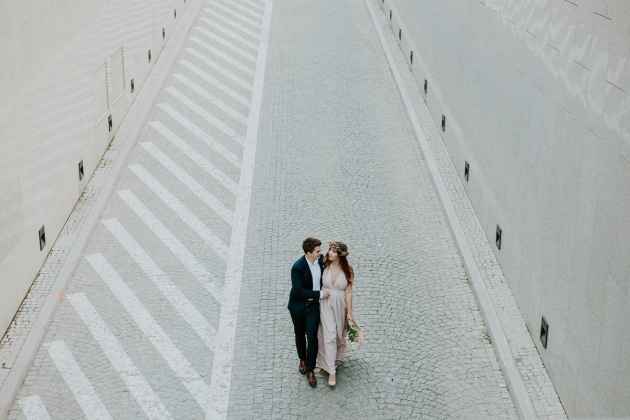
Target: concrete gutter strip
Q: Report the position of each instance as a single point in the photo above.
(514, 381)
(139, 110)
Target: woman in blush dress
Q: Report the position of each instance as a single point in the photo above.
(336, 311)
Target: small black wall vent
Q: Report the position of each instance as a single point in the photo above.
(498, 237)
(42, 238)
(544, 332)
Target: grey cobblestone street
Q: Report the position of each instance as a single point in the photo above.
(144, 321)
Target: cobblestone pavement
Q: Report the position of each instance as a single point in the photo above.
(144, 330)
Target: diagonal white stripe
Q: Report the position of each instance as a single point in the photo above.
(206, 165)
(226, 44)
(182, 211)
(229, 33)
(152, 330)
(170, 291)
(233, 24)
(134, 380)
(233, 134)
(189, 261)
(211, 98)
(237, 15)
(256, 5)
(81, 388)
(33, 408)
(221, 70)
(205, 76)
(202, 135)
(242, 67)
(250, 12)
(196, 188)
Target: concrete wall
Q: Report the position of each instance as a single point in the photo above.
(49, 53)
(535, 95)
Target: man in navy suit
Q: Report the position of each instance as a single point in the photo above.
(306, 285)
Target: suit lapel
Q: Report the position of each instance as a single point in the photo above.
(321, 270)
(307, 269)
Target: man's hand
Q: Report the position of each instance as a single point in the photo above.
(325, 294)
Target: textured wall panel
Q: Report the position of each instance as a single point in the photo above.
(11, 219)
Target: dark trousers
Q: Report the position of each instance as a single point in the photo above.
(306, 324)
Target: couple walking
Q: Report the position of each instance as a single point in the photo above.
(320, 304)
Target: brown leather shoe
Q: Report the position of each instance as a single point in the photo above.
(302, 367)
(312, 380)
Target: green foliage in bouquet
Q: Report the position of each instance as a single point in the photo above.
(353, 334)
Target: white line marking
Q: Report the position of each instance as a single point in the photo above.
(175, 296)
(255, 5)
(224, 351)
(189, 261)
(152, 330)
(242, 67)
(206, 165)
(205, 76)
(233, 134)
(182, 211)
(211, 98)
(225, 72)
(133, 378)
(203, 194)
(82, 389)
(229, 33)
(226, 44)
(236, 14)
(233, 24)
(245, 9)
(33, 408)
(202, 135)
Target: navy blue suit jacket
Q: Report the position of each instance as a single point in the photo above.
(302, 284)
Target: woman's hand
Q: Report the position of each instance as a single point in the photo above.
(350, 318)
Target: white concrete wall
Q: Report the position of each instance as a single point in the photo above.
(49, 50)
(535, 94)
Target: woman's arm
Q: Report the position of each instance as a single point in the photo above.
(349, 302)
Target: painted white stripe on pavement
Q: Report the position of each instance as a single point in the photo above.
(229, 33)
(202, 135)
(224, 350)
(189, 261)
(206, 165)
(257, 5)
(33, 408)
(258, 14)
(221, 86)
(211, 98)
(235, 14)
(152, 330)
(196, 188)
(182, 211)
(81, 388)
(221, 70)
(233, 24)
(233, 134)
(226, 44)
(134, 380)
(235, 63)
(170, 291)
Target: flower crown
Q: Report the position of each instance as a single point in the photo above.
(336, 246)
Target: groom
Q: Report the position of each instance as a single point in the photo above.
(306, 284)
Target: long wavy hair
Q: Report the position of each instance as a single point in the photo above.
(342, 254)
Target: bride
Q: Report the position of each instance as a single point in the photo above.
(336, 311)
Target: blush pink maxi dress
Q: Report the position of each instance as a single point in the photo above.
(332, 313)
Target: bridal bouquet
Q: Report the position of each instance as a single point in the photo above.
(353, 335)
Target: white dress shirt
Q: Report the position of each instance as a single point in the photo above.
(316, 272)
